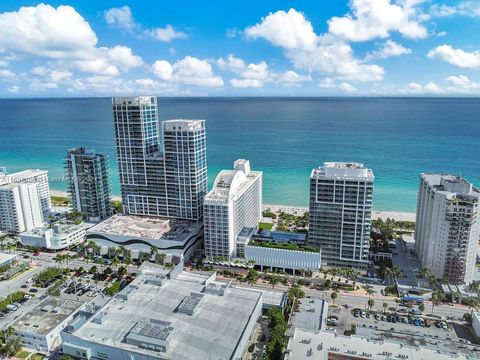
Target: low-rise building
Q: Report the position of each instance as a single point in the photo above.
(311, 315)
(173, 237)
(39, 329)
(7, 259)
(476, 323)
(59, 237)
(328, 345)
(169, 315)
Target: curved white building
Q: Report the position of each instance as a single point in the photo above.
(234, 204)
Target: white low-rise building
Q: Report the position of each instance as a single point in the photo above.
(271, 255)
(59, 237)
(7, 259)
(166, 315)
(39, 329)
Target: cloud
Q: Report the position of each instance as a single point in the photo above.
(327, 83)
(346, 87)
(189, 70)
(63, 35)
(464, 8)
(414, 88)
(371, 19)
(456, 57)
(255, 75)
(462, 84)
(246, 83)
(388, 49)
(288, 30)
(326, 53)
(6, 74)
(122, 18)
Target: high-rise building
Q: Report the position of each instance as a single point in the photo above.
(233, 206)
(20, 208)
(159, 178)
(447, 227)
(340, 213)
(40, 178)
(88, 183)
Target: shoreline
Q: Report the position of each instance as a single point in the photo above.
(298, 210)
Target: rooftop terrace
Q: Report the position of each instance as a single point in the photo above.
(146, 227)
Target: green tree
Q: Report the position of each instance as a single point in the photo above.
(437, 298)
(154, 252)
(334, 296)
(421, 307)
(473, 304)
(369, 291)
(385, 307)
(122, 271)
(370, 304)
(273, 280)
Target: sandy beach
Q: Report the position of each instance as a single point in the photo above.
(296, 210)
(65, 194)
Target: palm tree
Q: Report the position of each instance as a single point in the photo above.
(436, 299)
(333, 295)
(369, 291)
(385, 307)
(122, 250)
(370, 304)
(473, 304)
(273, 280)
(475, 286)
(154, 252)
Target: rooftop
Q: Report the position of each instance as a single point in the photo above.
(343, 170)
(284, 246)
(47, 315)
(21, 176)
(147, 227)
(58, 230)
(450, 184)
(195, 321)
(232, 183)
(311, 314)
(325, 345)
(6, 257)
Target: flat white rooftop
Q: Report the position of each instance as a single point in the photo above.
(147, 227)
(201, 325)
(6, 258)
(326, 345)
(343, 170)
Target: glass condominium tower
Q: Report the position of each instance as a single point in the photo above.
(88, 183)
(340, 213)
(160, 174)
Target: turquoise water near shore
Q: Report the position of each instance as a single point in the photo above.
(284, 137)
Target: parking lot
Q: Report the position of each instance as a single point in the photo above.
(410, 326)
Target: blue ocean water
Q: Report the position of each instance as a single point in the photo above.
(284, 137)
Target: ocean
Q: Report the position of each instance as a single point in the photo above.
(284, 137)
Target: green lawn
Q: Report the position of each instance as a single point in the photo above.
(37, 357)
(22, 354)
(265, 226)
(59, 200)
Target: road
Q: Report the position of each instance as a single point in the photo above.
(360, 301)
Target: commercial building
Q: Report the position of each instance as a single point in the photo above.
(159, 176)
(169, 315)
(340, 213)
(88, 183)
(39, 329)
(328, 345)
(476, 324)
(447, 228)
(7, 259)
(231, 208)
(59, 237)
(40, 178)
(310, 315)
(173, 237)
(20, 208)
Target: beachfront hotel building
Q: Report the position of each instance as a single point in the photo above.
(340, 213)
(160, 174)
(231, 208)
(88, 184)
(20, 207)
(38, 177)
(447, 227)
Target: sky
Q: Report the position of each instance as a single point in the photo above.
(240, 48)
